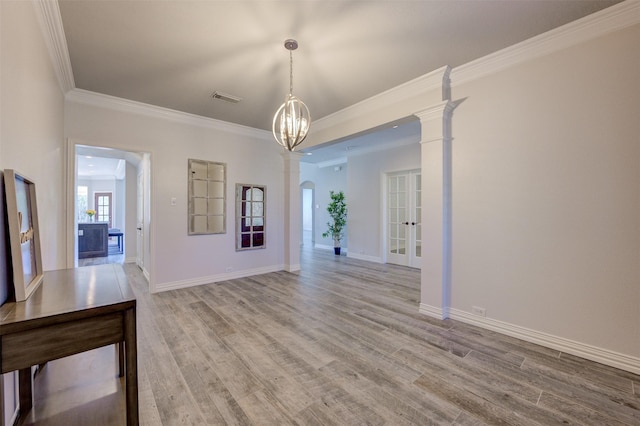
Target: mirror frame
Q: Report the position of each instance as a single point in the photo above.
(253, 235)
(207, 205)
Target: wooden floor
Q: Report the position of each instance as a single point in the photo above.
(339, 343)
(114, 256)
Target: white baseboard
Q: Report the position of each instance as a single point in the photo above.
(326, 247)
(291, 268)
(432, 311)
(175, 285)
(365, 257)
(583, 350)
(130, 260)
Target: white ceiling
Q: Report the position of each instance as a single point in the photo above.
(176, 53)
(103, 163)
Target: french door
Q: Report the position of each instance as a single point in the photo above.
(404, 208)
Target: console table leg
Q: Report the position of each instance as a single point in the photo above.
(25, 390)
(121, 365)
(131, 369)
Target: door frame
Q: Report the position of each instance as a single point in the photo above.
(71, 218)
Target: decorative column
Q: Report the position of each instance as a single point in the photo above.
(291, 210)
(435, 141)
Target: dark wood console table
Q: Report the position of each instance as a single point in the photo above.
(73, 310)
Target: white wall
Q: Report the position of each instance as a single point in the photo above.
(365, 185)
(176, 258)
(31, 131)
(546, 194)
(31, 135)
(362, 182)
(119, 203)
(326, 179)
(131, 194)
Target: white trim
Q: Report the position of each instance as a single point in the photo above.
(125, 105)
(598, 24)
(593, 353)
(291, 268)
(175, 285)
(50, 22)
(130, 260)
(365, 257)
(326, 247)
(433, 311)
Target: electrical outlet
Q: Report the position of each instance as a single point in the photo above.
(477, 310)
(229, 269)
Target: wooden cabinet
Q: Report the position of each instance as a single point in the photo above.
(93, 239)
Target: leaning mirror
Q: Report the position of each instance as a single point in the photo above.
(250, 216)
(207, 183)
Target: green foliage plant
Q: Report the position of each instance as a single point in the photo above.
(337, 209)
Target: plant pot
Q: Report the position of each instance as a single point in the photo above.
(336, 251)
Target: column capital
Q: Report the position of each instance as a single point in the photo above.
(438, 111)
(435, 121)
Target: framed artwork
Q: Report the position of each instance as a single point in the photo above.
(250, 216)
(207, 197)
(24, 234)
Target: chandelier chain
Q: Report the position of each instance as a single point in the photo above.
(290, 72)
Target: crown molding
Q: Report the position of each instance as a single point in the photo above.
(614, 18)
(50, 21)
(438, 79)
(124, 105)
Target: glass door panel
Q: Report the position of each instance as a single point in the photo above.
(404, 208)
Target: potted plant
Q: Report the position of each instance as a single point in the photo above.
(337, 209)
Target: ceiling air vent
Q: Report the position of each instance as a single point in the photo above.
(226, 97)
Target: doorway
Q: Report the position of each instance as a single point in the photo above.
(109, 179)
(308, 223)
(403, 218)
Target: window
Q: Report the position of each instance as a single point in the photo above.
(250, 216)
(83, 203)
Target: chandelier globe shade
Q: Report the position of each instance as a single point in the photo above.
(292, 120)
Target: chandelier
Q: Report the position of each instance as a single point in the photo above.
(292, 120)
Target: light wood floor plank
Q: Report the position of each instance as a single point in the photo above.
(339, 343)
